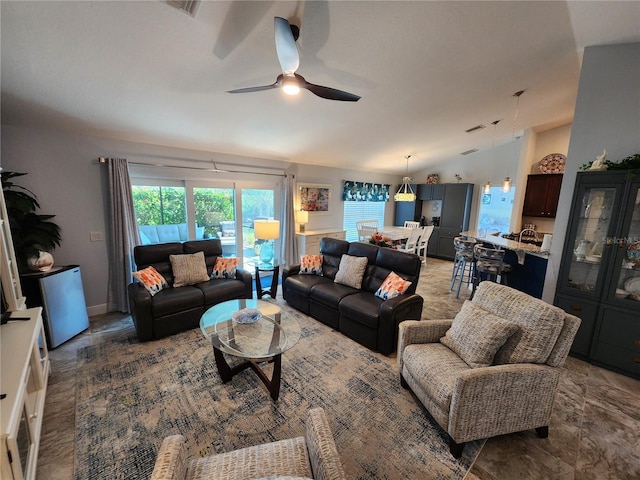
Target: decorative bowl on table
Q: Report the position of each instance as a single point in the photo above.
(246, 316)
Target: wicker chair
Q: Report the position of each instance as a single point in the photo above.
(313, 456)
(498, 370)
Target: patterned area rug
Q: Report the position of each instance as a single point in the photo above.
(131, 395)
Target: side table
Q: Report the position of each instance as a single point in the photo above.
(267, 267)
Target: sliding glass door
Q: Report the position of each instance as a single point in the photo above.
(257, 204)
(179, 210)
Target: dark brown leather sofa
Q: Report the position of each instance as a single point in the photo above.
(358, 314)
(174, 310)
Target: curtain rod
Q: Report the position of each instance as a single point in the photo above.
(214, 169)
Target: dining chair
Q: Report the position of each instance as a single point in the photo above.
(411, 224)
(412, 241)
(421, 248)
(364, 228)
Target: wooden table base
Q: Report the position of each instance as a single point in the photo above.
(226, 372)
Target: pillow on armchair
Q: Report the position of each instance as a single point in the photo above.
(476, 335)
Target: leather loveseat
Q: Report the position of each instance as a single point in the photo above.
(174, 310)
(357, 313)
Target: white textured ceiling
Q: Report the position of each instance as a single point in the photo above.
(426, 71)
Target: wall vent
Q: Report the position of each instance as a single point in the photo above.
(186, 6)
(473, 150)
(476, 128)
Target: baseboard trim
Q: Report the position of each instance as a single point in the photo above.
(97, 310)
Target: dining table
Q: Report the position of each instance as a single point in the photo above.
(396, 234)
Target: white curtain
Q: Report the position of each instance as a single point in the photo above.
(289, 245)
(123, 233)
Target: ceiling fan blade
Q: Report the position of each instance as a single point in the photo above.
(327, 92)
(255, 89)
(286, 47)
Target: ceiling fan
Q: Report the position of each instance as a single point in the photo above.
(290, 82)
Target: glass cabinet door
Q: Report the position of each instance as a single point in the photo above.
(626, 282)
(594, 222)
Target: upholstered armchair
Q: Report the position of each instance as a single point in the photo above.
(312, 456)
(492, 370)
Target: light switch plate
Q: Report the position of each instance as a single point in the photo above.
(96, 236)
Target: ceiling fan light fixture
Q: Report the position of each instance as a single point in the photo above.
(290, 85)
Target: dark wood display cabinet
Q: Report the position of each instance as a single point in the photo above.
(542, 194)
(600, 269)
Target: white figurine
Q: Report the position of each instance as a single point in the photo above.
(599, 164)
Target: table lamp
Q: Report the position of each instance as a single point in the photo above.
(303, 219)
(267, 230)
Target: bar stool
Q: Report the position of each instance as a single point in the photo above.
(490, 263)
(462, 262)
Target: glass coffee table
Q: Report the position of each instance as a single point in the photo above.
(257, 341)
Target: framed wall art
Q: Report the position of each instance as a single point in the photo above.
(314, 198)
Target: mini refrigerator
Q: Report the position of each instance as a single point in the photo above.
(60, 294)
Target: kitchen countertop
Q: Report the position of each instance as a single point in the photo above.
(520, 248)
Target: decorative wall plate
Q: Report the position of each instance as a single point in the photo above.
(633, 252)
(553, 163)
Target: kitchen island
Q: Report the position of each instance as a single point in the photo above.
(528, 262)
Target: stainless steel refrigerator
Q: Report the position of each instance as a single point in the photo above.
(60, 294)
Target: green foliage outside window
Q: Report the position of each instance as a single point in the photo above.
(156, 205)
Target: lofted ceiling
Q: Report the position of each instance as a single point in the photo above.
(426, 71)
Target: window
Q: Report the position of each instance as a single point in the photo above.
(495, 210)
(159, 205)
(357, 211)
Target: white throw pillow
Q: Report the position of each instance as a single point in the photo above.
(351, 271)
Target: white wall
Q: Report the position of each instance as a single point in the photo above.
(606, 116)
(63, 171)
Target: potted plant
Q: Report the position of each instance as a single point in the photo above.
(32, 233)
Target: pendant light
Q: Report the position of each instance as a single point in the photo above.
(487, 186)
(506, 184)
(405, 192)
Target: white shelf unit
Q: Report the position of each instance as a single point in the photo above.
(11, 290)
(25, 368)
(309, 242)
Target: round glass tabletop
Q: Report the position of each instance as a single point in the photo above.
(272, 334)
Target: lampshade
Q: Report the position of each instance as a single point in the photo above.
(487, 188)
(405, 192)
(303, 217)
(266, 229)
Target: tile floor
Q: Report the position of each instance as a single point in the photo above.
(593, 434)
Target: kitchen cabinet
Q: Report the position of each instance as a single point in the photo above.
(309, 242)
(542, 194)
(431, 191)
(599, 278)
(454, 218)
